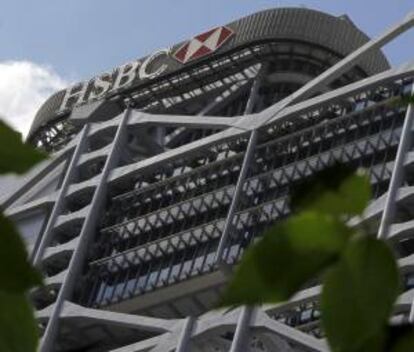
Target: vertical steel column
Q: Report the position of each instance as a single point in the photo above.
(243, 172)
(397, 173)
(234, 202)
(410, 116)
(57, 207)
(185, 336)
(188, 326)
(91, 219)
(241, 335)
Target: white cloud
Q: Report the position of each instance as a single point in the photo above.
(24, 87)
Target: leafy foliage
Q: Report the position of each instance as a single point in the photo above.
(400, 338)
(15, 156)
(358, 272)
(288, 256)
(358, 295)
(331, 191)
(18, 329)
(405, 100)
(18, 276)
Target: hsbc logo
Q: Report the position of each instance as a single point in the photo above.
(204, 44)
(151, 67)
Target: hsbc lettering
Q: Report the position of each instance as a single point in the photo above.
(124, 76)
(97, 88)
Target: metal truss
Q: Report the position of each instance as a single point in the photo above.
(156, 207)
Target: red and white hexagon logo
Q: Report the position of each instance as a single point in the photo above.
(203, 44)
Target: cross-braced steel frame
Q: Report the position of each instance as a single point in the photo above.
(132, 228)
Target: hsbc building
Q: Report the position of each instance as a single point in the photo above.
(164, 170)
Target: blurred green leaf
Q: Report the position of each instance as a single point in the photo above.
(404, 101)
(358, 296)
(336, 190)
(400, 338)
(16, 273)
(409, 99)
(16, 156)
(404, 344)
(18, 329)
(304, 194)
(288, 256)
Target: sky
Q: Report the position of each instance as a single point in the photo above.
(45, 45)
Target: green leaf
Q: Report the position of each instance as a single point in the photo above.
(16, 273)
(288, 256)
(404, 101)
(16, 156)
(336, 190)
(18, 330)
(358, 296)
(409, 99)
(400, 338)
(404, 343)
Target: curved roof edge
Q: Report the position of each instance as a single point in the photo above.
(338, 34)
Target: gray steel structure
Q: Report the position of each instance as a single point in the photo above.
(144, 208)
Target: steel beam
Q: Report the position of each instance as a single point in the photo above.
(240, 341)
(59, 203)
(243, 172)
(45, 168)
(235, 201)
(340, 68)
(87, 231)
(397, 173)
(184, 340)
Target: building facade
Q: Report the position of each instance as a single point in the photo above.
(166, 169)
